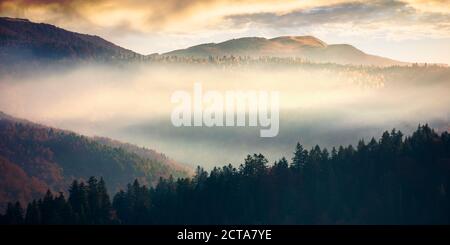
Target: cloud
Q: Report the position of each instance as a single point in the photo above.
(131, 15)
(202, 19)
(390, 18)
(439, 6)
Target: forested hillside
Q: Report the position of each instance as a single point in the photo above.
(34, 158)
(307, 47)
(21, 40)
(393, 180)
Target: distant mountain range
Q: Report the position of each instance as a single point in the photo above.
(306, 47)
(22, 41)
(34, 158)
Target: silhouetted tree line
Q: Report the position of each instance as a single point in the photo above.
(87, 204)
(394, 180)
(240, 60)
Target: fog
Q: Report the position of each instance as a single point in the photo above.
(328, 106)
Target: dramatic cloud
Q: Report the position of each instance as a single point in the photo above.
(179, 16)
(393, 19)
(135, 15)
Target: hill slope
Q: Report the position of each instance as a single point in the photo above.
(34, 158)
(25, 41)
(307, 47)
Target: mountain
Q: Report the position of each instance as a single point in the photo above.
(34, 158)
(25, 43)
(143, 153)
(306, 47)
(22, 41)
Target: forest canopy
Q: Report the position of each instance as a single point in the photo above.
(393, 180)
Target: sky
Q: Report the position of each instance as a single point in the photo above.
(406, 30)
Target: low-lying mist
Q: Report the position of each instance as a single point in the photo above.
(328, 106)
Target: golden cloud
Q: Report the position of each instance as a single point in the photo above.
(143, 16)
(119, 17)
(438, 6)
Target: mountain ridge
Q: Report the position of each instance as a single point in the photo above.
(34, 158)
(23, 41)
(307, 47)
